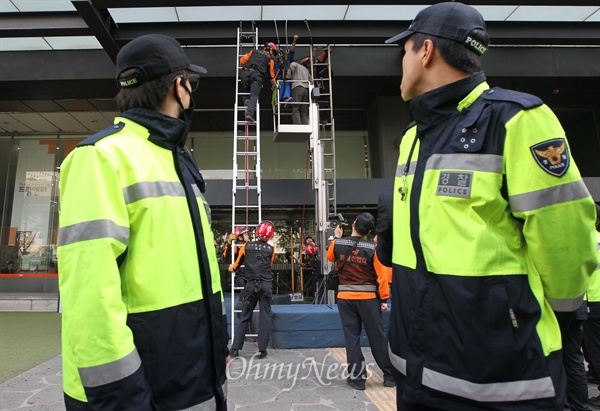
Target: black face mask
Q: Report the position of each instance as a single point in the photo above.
(186, 113)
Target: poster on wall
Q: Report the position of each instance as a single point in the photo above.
(39, 183)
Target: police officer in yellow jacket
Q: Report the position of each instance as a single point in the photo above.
(143, 319)
(492, 230)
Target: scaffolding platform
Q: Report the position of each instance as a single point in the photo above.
(292, 133)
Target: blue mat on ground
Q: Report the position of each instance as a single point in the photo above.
(305, 325)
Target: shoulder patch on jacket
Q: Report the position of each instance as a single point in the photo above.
(552, 156)
(112, 129)
(525, 100)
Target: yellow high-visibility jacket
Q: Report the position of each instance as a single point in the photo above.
(492, 230)
(593, 293)
(143, 317)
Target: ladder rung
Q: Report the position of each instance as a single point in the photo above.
(247, 153)
(246, 206)
(247, 187)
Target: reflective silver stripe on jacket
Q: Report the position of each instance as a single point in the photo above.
(114, 371)
(197, 191)
(563, 193)
(565, 304)
(92, 230)
(492, 392)
(473, 162)
(357, 287)
(399, 363)
(152, 189)
(411, 169)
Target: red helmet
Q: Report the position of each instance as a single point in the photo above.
(265, 231)
(271, 45)
(312, 240)
(310, 249)
(239, 230)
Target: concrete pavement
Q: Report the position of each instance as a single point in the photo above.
(306, 379)
(303, 379)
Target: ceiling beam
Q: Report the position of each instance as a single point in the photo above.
(359, 32)
(101, 25)
(197, 3)
(42, 24)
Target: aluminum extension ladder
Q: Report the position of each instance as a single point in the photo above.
(246, 179)
(323, 150)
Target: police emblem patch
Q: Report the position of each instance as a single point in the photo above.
(455, 184)
(552, 156)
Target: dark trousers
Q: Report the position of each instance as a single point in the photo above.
(299, 110)
(357, 313)
(255, 292)
(571, 331)
(591, 340)
(402, 405)
(254, 81)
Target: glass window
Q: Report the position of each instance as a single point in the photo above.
(29, 231)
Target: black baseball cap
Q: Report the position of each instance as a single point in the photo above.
(154, 56)
(450, 20)
(364, 223)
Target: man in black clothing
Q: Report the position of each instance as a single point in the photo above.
(258, 64)
(362, 298)
(258, 257)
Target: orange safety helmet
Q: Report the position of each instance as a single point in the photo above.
(265, 231)
(310, 249)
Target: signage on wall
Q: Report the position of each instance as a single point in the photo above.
(38, 183)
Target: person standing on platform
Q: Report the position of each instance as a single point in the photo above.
(591, 327)
(361, 300)
(300, 76)
(143, 324)
(259, 256)
(492, 230)
(258, 65)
